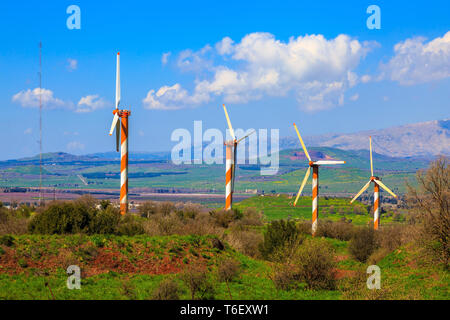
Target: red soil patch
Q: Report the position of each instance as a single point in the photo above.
(103, 260)
(339, 273)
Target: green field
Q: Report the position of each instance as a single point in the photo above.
(281, 207)
(61, 171)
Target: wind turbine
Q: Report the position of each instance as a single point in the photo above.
(376, 191)
(122, 135)
(230, 163)
(315, 181)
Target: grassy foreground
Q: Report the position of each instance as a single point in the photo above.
(131, 267)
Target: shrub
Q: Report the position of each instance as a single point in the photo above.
(105, 221)
(196, 279)
(130, 226)
(342, 230)
(285, 277)
(165, 208)
(62, 218)
(167, 289)
(147, 209)
(278, 234)
(228, 270)
(304, 227)
(7, 240)
(246, 242)
(390, 238)
(223, 218)
(315, 263)
(432, 201)
(12, 224)
(362, 244)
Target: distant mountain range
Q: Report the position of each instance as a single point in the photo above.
(424, 139)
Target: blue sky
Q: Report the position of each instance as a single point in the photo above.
(389, 87)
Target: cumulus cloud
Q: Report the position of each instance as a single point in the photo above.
(171, 98)
(195, 61)
(72, 64)
(318, 71)
(28, 131)
(90, 103)
(417, 61)
(30, 98)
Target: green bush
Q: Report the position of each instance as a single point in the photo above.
(315, 263)
(279, 234)
(168, 289)
(130, 226)
(7, 240)
(196, 279)
(62, 218)
(105, 221)
(362, 244)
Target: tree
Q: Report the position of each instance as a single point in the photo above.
(431, 199)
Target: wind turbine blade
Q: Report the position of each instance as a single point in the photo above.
(361, 191)
(371, 161)
(303, 144)
(118, 81)
(303, 185)
(381, 184)
(114, 123)
(229, 123)
(246, 136)
(322, 162)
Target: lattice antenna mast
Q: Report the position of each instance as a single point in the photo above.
(40, 124)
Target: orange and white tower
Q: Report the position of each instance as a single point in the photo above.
(376, 208)
(230, 162)
(315, 182)
(376, 191)
(122, 136)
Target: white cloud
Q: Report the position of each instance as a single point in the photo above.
(225, 46)
(75, 146)
(354, 97)
(28, 131)
(165, 58)
(317, 70)
(30, 98)
(416, 61)
(195, 61)
(171, 98)
(90, 103)
(72, 64)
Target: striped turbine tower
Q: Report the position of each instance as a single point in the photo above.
(376, 191)
(122, 136)
(315, 182)
(230, 162)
